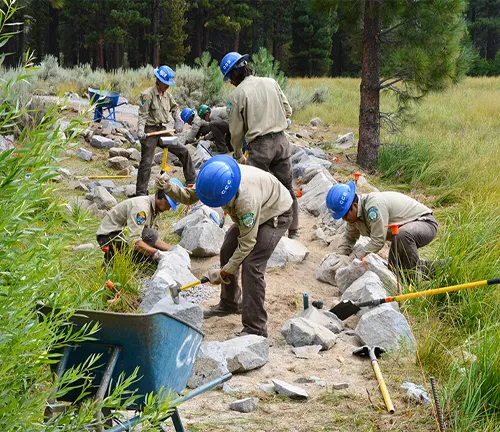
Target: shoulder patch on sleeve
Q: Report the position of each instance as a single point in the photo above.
(373, 214)
(248, 219)
(140, 218)
(229, 105)
(144, 98)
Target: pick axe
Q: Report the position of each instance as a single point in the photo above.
(175, 290)
(373, 353)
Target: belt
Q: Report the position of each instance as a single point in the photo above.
(270, 134)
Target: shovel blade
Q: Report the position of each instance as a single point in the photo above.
(345, 309)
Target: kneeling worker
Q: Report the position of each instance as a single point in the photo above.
(199, 126)
(131, 222)
(218, 123)
(369, 215)
(260, 207)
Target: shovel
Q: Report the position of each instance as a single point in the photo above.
(175, 291)
(347, 308)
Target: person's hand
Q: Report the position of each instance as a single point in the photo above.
(242, 160)
(178, 126)
(344, 261)
(217, 276)
(159, 255)
(162, 181)
(288, 122)
(141, 135)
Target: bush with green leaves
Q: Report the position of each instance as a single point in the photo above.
(265, 65)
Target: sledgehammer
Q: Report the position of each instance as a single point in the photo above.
(175, 291)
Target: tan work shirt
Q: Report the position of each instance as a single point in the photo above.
(375, 211)
(131, 217)
(260, 197)
(256, 107)
(218, 113)
(195, 128)
(154, 108)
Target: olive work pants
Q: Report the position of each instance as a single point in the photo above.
(411, 237)
(250, 298)
(148, 147)
(116, 242)
(272, 153)
(222, 137)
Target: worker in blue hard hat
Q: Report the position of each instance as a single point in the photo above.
(199, 127)
(260, 208)
(369, 214)
(259, 111)
(132, 223)
(156, 106)
(218, 124)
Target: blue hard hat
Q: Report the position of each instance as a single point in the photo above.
(173, 204)
(186, 114)
(340, 198)
(229, 61)
(165, 75)
(218, 181)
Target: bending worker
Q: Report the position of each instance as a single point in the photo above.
(199, 126)
(132, 223)
(219, 127)
(156, 105)
(259, 111)
(260, 207)
(369, 215)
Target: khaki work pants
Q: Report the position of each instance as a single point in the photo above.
(222, 137)
(116, 242)
(272, 153)
(411, 237)
(148, 148)
(250, 298)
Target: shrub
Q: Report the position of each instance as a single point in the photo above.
(213, 83)
(298, 97)
(265, 65)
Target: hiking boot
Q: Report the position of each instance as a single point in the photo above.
(218, 310)
(293, 235)
(245, 333)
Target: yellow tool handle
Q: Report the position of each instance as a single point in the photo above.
(192, 284)
(164, 166)
(107, 177)
(442, 290)
(383, 387)
(162, 132)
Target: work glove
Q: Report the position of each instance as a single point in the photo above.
(242, 160)
(178, 126)
(289, 122)
(141, 135)
(159, 255)
(344, 261)
(162, 181)
(215, 277)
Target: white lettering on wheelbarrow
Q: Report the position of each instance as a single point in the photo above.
(185, 356)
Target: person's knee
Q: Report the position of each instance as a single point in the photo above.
(149, 236)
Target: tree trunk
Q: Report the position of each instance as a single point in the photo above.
(53, 47)
(369, 109)
(491, 44)
(236, 45)
(156, 27)
(337, 54)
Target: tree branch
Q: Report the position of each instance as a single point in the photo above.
(394, 27)
(390, 84)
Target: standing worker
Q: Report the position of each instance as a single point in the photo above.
(369, 215)
(260, 207)
(218, 124)
(259, 111)
(156, 105)
(132, 222)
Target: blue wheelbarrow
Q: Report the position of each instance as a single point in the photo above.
(104, 100)
(162, 347)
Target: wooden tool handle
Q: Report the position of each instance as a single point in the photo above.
(383, 387)
(162, 132)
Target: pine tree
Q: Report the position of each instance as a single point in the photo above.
(172, 48)
(409, 47)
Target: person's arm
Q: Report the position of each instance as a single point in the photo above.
(284, 101)
(377, 217)
(236, 126)
(193, 132)
(248, 217)
(184, 195)
(174, 110)
(351, 235)
(145, 103)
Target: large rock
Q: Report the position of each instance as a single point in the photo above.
(287, 250)
(314, 194)
(330, 321)
(99, 141)
(78, 185)
(126, 134)
(134, 154)
(245, 353)
(315, 122)
(105, 183)
(377, 265)
(301, 331)
(200, 155)
(313, 171)
(118, 162)
(173, 270)
(118, 151)
(308, 162)
(326, 271)
(245, 405)
(203, 240)
(345, 276)
(285, 389)
(385, 327)
(190, 220)
(185, 311)
(103, 199)
(345, 142)
(84, 154)
(210, 364)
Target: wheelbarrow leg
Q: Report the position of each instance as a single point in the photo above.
(61, 367)
(176, 420)
(101, 391)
